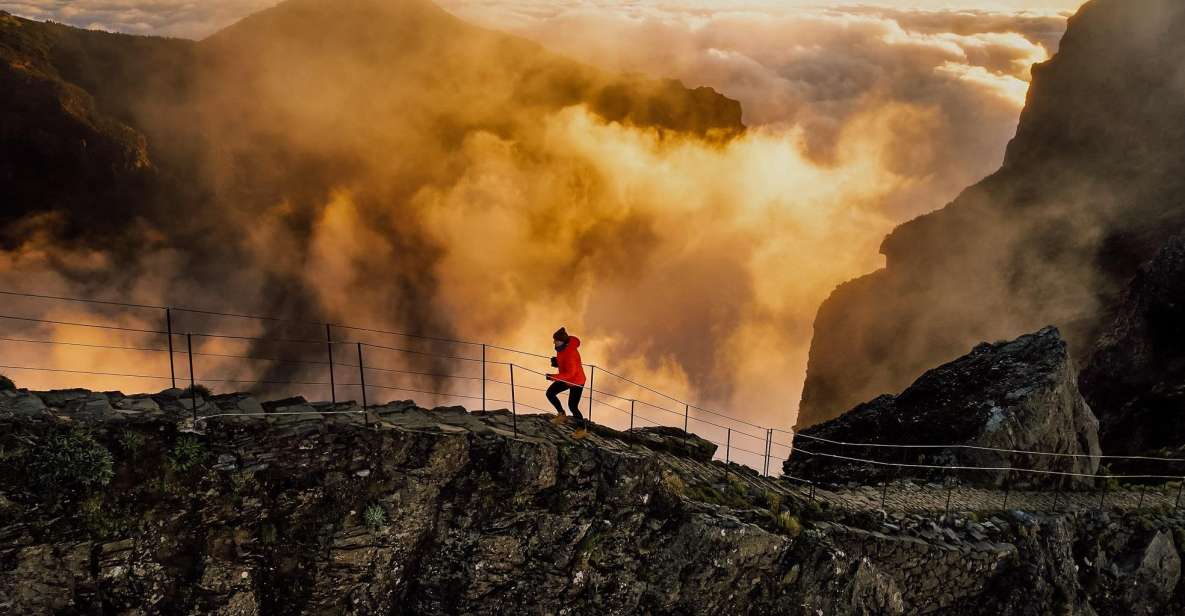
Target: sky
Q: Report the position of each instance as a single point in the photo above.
(862, 116)
(189, 19)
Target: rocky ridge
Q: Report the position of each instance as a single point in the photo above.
(409, 510)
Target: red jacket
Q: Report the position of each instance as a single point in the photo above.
(571, 370)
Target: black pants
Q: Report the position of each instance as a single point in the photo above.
(574, 394)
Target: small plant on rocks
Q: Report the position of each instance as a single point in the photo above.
(98, 517)
(789, 524)
(773, 500)
(268, 534)
(374, 517)
(188, 452)
(674, 483)
(241, 482)
(199, 389)
(131, 442)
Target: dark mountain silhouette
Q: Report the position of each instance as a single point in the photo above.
(1092, 185)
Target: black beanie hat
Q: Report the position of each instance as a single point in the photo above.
(560, 334)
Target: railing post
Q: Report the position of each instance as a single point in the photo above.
(483, 377)
(686, 416)
(884, 492)
(1140, 505)
(1180, 487)
(362, 381)
(329, 348)
(727, 451)
(513, 403)
(769, 437)
(632, 414)
(192, 379)
(169, 331)
(1103, 493)
(591, 381)
(949, 488)
(513, 406)
(1007, 487)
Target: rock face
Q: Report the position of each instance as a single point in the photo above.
(1020, 395)
(1135, 380)
(1091, 187)
(404, 510)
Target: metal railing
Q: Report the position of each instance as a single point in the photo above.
(446, 370)
(194, 347)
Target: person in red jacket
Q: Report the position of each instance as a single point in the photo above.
(569, 377)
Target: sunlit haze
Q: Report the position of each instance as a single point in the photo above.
(861, 116)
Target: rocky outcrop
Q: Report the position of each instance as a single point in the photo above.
(1135, 380)
(1019, 395)
(1090, 188)
(330, 510)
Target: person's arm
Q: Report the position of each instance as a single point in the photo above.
(567, 373)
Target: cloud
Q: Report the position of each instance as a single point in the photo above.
(696, 265)
(177, 18)
(817, 68)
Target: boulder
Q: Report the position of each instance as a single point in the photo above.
(59, 398)
(1135, 379)
(21, 402)
(676, 441)
(1019, 395)
(1152, 572)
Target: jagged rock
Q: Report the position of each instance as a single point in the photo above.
(293, 404)
(238, 403)
(1020, 395)
(45, 578)
(58, 398)
(1135, 381)
(1084, 196)
(21, 402)
(139, 404)
(671, 439)
(1152, 574)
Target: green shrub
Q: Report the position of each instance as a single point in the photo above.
(6, 383)
(374, 517)
(188, 452)
(201, 390)
(789, 524)
(72, 459)
(131, 442)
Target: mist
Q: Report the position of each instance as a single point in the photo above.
(468, 190)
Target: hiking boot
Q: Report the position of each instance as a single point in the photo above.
(559, 419)
(580, 433)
